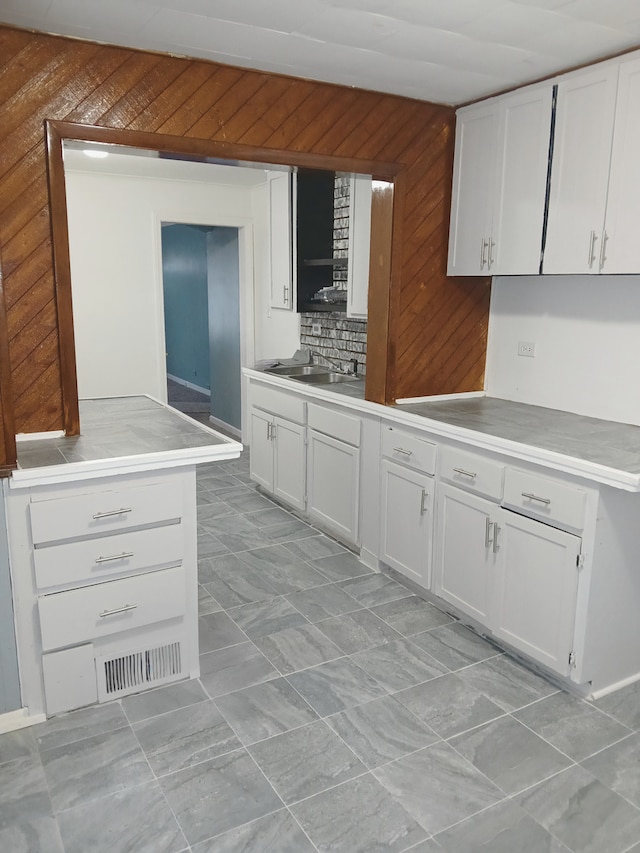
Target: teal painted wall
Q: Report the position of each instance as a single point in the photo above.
(224, 325)
(185, 273)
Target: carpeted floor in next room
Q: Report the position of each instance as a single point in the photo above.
(335, 711)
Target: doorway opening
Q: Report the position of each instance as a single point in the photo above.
(201, 290)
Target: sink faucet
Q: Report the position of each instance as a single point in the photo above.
(314, 355)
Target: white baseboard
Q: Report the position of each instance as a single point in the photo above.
(37, 436)
(19, 719)
(370, 560)
(225, 426)
(190, 385)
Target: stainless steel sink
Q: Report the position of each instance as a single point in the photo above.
(297, 370)
(327, 378)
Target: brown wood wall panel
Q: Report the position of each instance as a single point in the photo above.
(436, 326)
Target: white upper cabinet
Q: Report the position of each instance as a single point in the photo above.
(280, 239)
(621, 250)
(499, 184)
(580, 171)
(473, 178)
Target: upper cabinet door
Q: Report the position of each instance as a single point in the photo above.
(473, 185)
(359, 245)
(521, 181)
(580, 170)
(620, 248)
(280, 240)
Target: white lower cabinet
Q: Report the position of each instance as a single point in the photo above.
(407, 521)
(277, 458)
(334, 476)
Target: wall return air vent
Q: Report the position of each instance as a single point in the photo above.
(129, 673)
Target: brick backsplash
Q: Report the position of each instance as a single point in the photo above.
(340, 337)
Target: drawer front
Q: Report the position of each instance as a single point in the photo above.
(97, 559)
(545, 498)
(278, 402)
(338, 425)
(105, 510)
(408, 449)
(97, 611)
(472, 472)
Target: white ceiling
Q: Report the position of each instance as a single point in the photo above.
(447, 51)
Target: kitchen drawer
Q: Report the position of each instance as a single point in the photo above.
(289, 406)
(402, 446)
(472, 472)
(103, 511)
(79, 615)
(545, 498)
(338, 425)
(93, 560)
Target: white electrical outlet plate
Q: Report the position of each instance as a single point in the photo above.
(315, 329)
(527, 349)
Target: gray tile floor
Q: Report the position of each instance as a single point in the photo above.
(335, 711)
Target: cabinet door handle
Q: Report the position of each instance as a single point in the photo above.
(125, 609)
(496, 530)
(531, 497)
(471, 474)
(403, 451)
(487, 532)
(592, 245)
(124, 556)
(483, 249)
(603, 249)
(423, 500)
(285, 295)
(111, 512)
(491, 244)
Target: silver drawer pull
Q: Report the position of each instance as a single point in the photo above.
(113, 512)
(403, 451)
(471, 474)
(125, 609)
(532, 497)
(124, 556)
(487, 532)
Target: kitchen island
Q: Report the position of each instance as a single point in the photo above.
(103, 553)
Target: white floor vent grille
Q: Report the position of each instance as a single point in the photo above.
(128, 673)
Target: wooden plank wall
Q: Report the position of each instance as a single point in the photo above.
(437, 326)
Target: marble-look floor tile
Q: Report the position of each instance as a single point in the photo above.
(284, 572)
(335, 686)
(305, 761)
(219, 795)
(411, 615)
(206, 602)
(322, 602)
(217, 631)
(135, 821)
(93, 768)
(373, 589)
(582, 813)
(455, 646)
(448, 705)
(211, 507)
(251, 502)
(399, 664)
(438, 786)
(354, 632)
(268, 517)
(340, 567)
(507, 683)
(185, 737)
(265, 710)
(618, 767)
(231, 582)
(234, 668)
(624, 705)
(209, 545)
(315, 547)
(17, 744)
(267, 617)
(504, 828)
(257, 537)
(381, 731)
(509, 754)
(572, 725)
(27, 823)
(297, 648)
(78, 725)
(162, 699)
(276, 833)
(358, 816)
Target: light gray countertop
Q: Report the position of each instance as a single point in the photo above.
(120, 434)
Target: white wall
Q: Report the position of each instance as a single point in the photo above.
(587, 335)
(114, 238)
